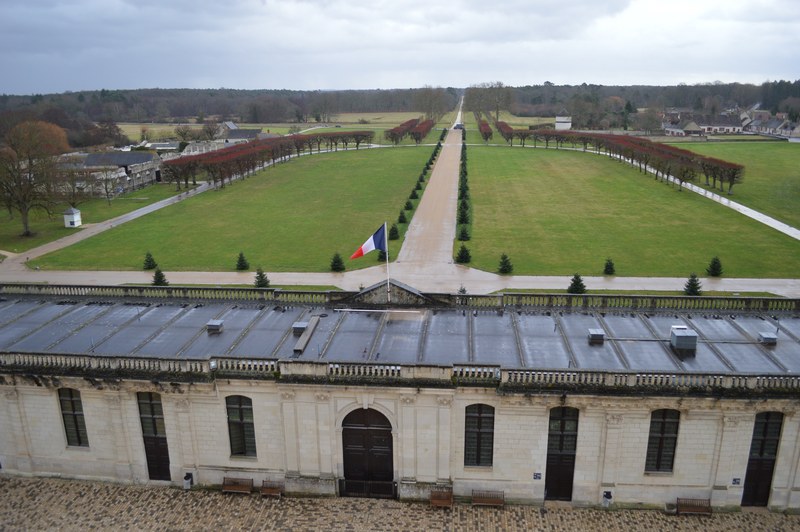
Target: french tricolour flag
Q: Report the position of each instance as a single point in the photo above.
(376, 241)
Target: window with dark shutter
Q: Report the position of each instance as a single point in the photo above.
(662, 441)
(240, 425)
(72, 414)
(478, 435)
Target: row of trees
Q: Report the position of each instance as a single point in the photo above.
(398, 133)
(243, 159)
(663, 160)
(421, 130)
(337, 264)
(483, 127)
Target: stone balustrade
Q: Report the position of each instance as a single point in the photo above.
(564, 302)
(490, 376)
(89, 363)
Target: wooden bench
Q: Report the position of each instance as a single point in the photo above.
(693, 506)
(271, 488)
(442, 496)
(488, 498)
(237, 485)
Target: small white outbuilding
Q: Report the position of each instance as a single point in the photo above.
(72, 217)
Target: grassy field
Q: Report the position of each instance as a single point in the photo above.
(663, 293)
(155, 132)
(559, 212)
(771, 179)
(378, 122)
(96, 210)
(516, 122)
(289, 218)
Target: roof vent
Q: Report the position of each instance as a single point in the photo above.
(683, 341)
(596, 336)
(768, 338)
(299, 327)
(214, 326)
(305, 337)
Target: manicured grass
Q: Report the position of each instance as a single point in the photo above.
(292, 217)
(590, 292)
(47, 228)
(771, 177)
(287, 287)
(557, 212)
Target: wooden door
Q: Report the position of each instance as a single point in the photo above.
(761, 464)
(151, 414)
(562, 441)
(368, 461)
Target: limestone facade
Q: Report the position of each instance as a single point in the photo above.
(298, 434)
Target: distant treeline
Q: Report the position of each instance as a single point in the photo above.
(611, 107)
(770, 95)
(592, 106)
(261, 106)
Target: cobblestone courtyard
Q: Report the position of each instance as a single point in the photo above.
(55, 504)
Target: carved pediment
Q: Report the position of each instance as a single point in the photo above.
(401, 294)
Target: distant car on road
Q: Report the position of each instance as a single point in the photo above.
(459, 126)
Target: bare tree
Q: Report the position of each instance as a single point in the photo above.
(108, 181)
(184, 132)
(74, 182)
(28, 168)
(210, 128)
(432, 102)
(489, 98)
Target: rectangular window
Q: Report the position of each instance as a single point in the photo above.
(662, 441)
(72, 413)
(151, 414)
(478, 435)
(240, 425)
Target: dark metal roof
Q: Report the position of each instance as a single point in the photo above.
(242, 133)
(512, 339)
(119, 158)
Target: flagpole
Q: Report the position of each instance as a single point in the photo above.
(388, 288)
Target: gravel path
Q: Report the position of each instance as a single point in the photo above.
(67, 505)
(429, 239)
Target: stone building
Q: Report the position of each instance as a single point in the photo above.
(141, 168)
(544, 397)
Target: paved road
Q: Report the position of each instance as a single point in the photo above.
(67, 505)
(429, 239)
(17, 260)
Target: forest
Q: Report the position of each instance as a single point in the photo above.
(89, 116)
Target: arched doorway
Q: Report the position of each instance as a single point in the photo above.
(368, 463)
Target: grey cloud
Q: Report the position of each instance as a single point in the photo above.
(55, 45)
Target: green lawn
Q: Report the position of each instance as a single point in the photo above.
(771, 177)
(557, 212)
(48, 228)
(590, 292)
(292, 217)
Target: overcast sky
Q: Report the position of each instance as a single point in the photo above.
(59, 45)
